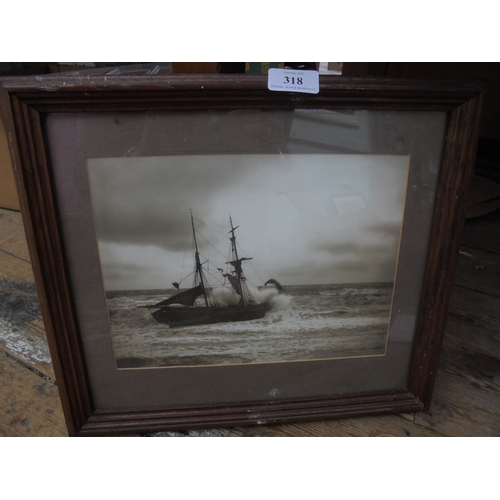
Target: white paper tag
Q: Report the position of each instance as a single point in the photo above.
(293, 80)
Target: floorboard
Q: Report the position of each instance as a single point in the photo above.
(29, 402)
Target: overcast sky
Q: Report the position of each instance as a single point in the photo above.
(306, 219)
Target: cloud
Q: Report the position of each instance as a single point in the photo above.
(285, 205)
(152, 208)
(354, 249)
(390, 229)
(134, 266)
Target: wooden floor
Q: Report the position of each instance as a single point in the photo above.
(466, 399)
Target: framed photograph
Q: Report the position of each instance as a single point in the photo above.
(209, 253)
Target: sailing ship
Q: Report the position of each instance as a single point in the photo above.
(199, 305)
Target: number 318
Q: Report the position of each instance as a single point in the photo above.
(293, 80)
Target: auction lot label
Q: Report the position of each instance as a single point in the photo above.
(293, 80)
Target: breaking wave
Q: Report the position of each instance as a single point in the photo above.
(226, 296)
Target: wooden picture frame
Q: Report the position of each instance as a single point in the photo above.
(56, 125)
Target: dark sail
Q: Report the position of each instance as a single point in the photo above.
(234, 283)
(186, 298)
(275, 283)
(237, 264)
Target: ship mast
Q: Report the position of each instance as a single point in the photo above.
(246, 296)
(198, 263)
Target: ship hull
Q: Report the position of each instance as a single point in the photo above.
(188, 316)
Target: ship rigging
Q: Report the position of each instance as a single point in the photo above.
(185, 308)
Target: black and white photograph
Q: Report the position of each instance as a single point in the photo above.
(247, 258)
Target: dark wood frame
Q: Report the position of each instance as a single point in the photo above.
(24, 99)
